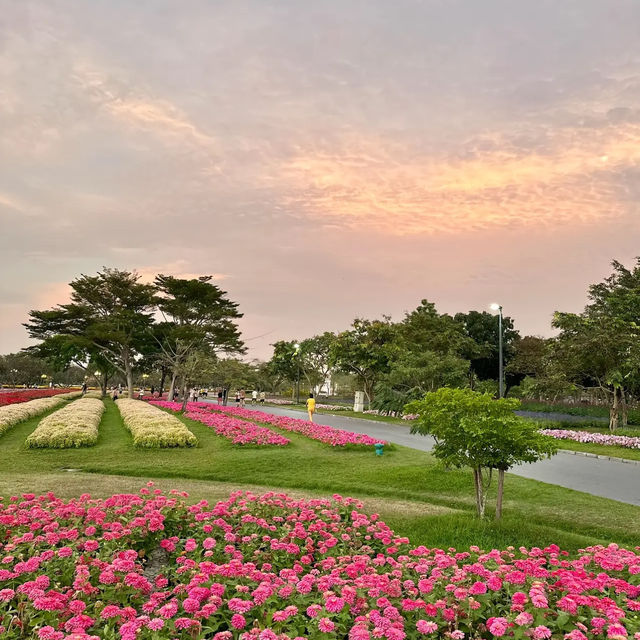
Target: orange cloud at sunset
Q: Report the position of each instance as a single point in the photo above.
(381, 187)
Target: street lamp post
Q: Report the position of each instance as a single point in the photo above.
(498, 307)
(297, 352)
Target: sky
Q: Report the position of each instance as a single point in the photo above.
(325, 160)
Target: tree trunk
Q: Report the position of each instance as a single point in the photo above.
(103, 386)
(185, 397)
(172, 387)
(625, 408)
(128, 370)
(500, 494)
(477, 480)
(614, 411)
(163, 377)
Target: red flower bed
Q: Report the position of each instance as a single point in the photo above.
(15, 397)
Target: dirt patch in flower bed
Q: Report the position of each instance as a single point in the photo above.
(273, 567)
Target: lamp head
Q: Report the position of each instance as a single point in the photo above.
(495, 306)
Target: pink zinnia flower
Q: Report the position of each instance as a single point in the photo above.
(426, 626)
(326, 625)
(238, 621)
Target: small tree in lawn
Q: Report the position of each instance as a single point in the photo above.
(472, 429)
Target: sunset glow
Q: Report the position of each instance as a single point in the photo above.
(373, 154)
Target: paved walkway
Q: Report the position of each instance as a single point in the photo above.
(600, 477)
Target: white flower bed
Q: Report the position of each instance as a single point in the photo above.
(75, 425)
(12, 414)
(153, 428)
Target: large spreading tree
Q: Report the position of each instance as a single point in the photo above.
(198, 319)
(109, 315)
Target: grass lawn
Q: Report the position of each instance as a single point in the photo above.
(411, 492)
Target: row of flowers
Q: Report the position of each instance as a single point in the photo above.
(74, 425)
(233, 429)
(12, 414)
(391, 414)
(153, 428)
(320, 432)
(276, 568)
(332, 407)
(15, 397)
(594, 438)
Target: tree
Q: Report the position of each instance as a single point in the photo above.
(285, 363)
(199, 318)
(427, 353)
(109, 313)
(62, 351)
(533, 364)
(23, 368)
(315, 355)
(601, 346)
(364, 350)
(231, 373)
(483, 329)
(473, 430)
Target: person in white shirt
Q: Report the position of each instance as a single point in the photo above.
(254, 396)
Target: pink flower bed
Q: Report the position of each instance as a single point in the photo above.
(595, 438)
(320, 432)
(276, 568)
(238, 431)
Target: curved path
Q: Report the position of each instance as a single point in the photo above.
(600, 477)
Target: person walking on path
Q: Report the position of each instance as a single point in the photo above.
(263, 395)
(311, 406)
(237, 398)
(84, 388)
(243, 396)
(219, 396)
(254, 396)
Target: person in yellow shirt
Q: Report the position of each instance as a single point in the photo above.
(311, 406)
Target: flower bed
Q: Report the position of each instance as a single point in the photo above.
(75, 425)
(320, 432)
(153, 428)
(12, 414)
(332, 407)
(275, 568)
(593, 438)
(233, 429)
(15, 397)
(279, 401)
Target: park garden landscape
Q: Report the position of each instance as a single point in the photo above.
(144, 517)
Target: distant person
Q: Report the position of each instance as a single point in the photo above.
(219, 396)
(194, 395)
(237, 398)
(176, 395)
(254, 396)
(141, 393)
(152, 389)
(311, 406)
(115, 393)
(84, 388)
(263, 396)
(243, 395)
